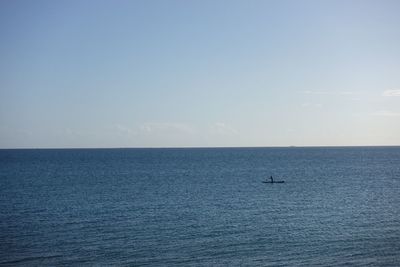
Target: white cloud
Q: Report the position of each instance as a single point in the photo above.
(393, 92)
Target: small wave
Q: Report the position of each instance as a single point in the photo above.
(27, 259)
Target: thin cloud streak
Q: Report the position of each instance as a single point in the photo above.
(392, 92)
(311, 105)
(386, 113)
(310, 92)
(165, 126)
(222, 128)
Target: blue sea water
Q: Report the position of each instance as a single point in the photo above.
(200, 207)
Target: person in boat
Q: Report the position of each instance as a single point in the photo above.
(272, 179)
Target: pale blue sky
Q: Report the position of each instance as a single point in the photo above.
(199, 73)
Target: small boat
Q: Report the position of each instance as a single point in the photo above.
(271, 181)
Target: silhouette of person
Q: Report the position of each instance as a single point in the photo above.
(272, 179)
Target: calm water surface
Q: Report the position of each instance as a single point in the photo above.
(200, 207)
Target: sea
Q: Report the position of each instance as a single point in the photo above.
(338, 206)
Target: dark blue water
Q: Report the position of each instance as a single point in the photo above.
(200, 207)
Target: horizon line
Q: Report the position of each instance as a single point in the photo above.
(199, 147)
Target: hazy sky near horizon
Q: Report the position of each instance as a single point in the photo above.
(199, 73)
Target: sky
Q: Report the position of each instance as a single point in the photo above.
(86, 74)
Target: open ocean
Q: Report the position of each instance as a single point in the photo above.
(200, 207)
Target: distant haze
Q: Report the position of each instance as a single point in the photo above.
(199, 73)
